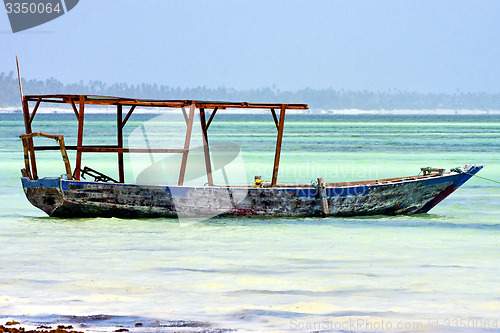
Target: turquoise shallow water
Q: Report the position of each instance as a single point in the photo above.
(436, 271)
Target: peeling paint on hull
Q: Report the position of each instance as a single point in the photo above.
(65, 198)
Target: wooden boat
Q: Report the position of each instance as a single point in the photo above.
(72, 196)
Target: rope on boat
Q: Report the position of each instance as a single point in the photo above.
(424, 170)
(459, 170)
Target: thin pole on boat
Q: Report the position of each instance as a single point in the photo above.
(279, 139)
(19, 77)
(27, 123)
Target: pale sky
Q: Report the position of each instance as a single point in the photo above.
(423, 46)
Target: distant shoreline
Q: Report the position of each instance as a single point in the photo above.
(111, 110)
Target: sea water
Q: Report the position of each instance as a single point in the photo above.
(426, 272)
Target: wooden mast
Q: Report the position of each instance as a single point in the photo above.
(27, 124)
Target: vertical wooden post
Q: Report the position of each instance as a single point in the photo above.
(119, 126)
(26, 159)
(206, 148)
(64, 154)
(31, 147)
(79, 142)
(279, 139)
(187, 141)
(322, 196)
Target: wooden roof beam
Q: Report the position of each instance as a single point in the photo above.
(109, 100)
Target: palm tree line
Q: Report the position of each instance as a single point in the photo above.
(328, 98)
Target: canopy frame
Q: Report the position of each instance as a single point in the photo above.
(120, 103)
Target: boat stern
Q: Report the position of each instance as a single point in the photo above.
(43, 193)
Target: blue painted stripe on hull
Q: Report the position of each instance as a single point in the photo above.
(58, 197)
(44, 182)
(182, 191)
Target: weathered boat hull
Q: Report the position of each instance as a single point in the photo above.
(67, 198)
